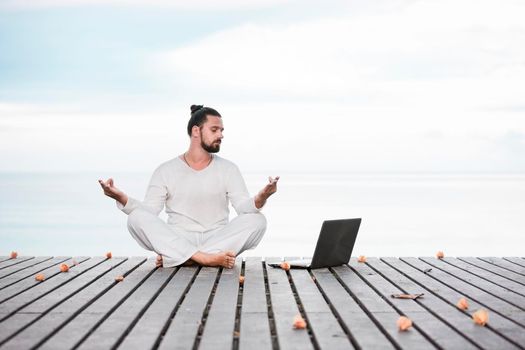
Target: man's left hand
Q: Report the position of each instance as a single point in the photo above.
(267, 191)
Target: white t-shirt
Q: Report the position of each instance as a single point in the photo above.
(195, 200)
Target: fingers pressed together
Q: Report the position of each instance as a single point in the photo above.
(105, 184)
(273, 180)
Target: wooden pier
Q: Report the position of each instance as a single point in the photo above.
(346, 307)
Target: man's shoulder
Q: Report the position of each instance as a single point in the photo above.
(169, 164)
(224, 162)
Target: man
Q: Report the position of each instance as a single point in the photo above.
(196, 188)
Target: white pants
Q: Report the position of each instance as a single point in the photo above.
(176, 246)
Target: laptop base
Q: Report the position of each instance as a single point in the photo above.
(295, 264)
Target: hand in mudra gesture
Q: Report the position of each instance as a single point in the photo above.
(270, 188)
(267, 191)
(111, 191)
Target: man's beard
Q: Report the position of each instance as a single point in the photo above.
(211, 148)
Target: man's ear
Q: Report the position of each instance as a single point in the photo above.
(195, 131)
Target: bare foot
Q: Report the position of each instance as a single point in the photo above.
(224, 259)
(159, 262)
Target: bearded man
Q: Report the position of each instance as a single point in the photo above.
(196, 188)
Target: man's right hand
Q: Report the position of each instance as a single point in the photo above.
(111, 191)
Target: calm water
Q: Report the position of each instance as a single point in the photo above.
(403, 215)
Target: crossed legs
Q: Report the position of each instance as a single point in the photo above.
(217, 248)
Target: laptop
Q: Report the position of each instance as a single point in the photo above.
(334, 245)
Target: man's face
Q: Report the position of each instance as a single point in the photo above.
(211, 134)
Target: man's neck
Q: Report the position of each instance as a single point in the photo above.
(197, 156)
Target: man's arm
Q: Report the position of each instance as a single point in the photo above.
(154, 200)
(239, 196)
(238, 193)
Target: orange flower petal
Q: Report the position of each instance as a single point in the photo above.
(14, 255)
(40, 277)
(462, 304)
(481, 317)
(285, 266)
(440, 255)
(299, 322)
(109, 255)
(404, 323)
(241, 279)
(119, 278)
(64, 268)
(361, 259)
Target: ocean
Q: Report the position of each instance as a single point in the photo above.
(402, 214)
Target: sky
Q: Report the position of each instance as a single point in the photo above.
(303, 86)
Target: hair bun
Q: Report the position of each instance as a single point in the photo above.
(195, 108)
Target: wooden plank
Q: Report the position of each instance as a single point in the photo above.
(441, 333)
(255, 326)
(12, 321)
(220, 322)
(55, 308)
(28, 290)
(285, 309)
(59, 316)
(24, 265)
(91, 272)
(517, 280)
(471, 292)
(327, 330)
(447, 312)
(489, 276)
(432, 282)
(507, 265)
(384, 315)
(183, 330)
(468, 276)
(254, 292)
(110, 332)
(30, 272)
(76, 330)
(516, 261)
(10, 262)
(362, 328)
(149, 328)
(86, 308)
(4, 258)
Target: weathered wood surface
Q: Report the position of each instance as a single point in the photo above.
(345, 307)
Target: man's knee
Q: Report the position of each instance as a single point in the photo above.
(135, 218)
(258, 220)
(258, 229)
(136, 228)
